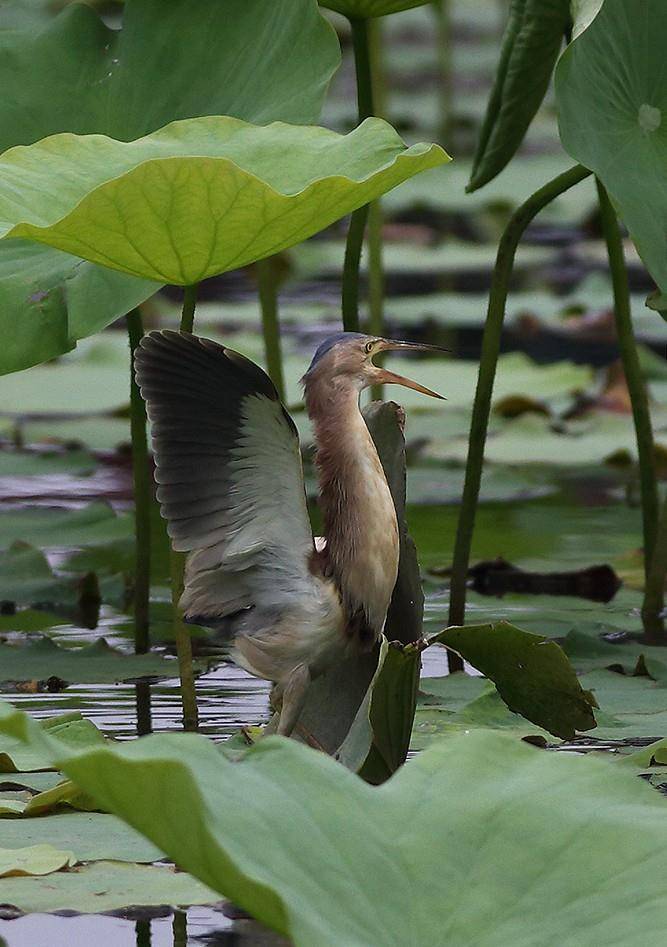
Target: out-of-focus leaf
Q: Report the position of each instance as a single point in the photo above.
(499, 812)
(71, 728)
(532, 40)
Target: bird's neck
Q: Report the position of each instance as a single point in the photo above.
(357, 507)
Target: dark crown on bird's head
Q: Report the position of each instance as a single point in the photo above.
(330, 342)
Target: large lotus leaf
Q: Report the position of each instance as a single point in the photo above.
(200, 196)
(91, 836)
(78, 75)
(93, 663)
(254, 60)
(104, 886)
(612, 102)
(532, 674)
(49, 300)
(444, 852)
(365, 9)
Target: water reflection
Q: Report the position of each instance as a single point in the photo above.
(197, 927)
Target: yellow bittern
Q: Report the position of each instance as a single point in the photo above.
(230, 486)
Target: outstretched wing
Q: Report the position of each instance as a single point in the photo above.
(230, 482)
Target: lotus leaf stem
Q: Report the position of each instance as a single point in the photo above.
(177, 569)
(653, 604)
(375, 217)
(502, 273)
(355, 234)
(267, 278)
(633, 375)
(142, 495)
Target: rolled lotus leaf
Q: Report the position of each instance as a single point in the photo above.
(531, 43)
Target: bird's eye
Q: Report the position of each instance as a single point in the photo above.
(369, 347)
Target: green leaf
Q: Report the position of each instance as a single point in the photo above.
(364, 9)
(582, 837)
(129, 82)
(49, 300)
(533, 38)
(268, 62)
(71, 728)
(612, 103)
(198, 197)
(92, 836)
(33, 860)
(104, 886)
(532, 674)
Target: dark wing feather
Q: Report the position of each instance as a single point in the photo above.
(229, 475)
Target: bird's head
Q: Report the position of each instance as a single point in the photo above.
(348, 357)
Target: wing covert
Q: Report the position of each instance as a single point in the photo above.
(228, 468)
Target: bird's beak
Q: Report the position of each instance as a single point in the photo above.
(390, 378)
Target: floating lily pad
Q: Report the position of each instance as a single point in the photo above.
(173, 188)
(95, 663)
(29, 620)
(450, 706)
(489, 795)
(92, 524)
(33, 860)
(27, 578)
(16, 463)
(91, 836)
(105, 886)
(613, 120)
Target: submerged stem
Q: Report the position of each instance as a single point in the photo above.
(177, 568)
(142, 495)
(267, 279)
(355, 234)
(487, 371)
(633, 375)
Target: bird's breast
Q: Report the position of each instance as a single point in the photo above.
(370, 575)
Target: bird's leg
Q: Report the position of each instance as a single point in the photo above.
(294, 697)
